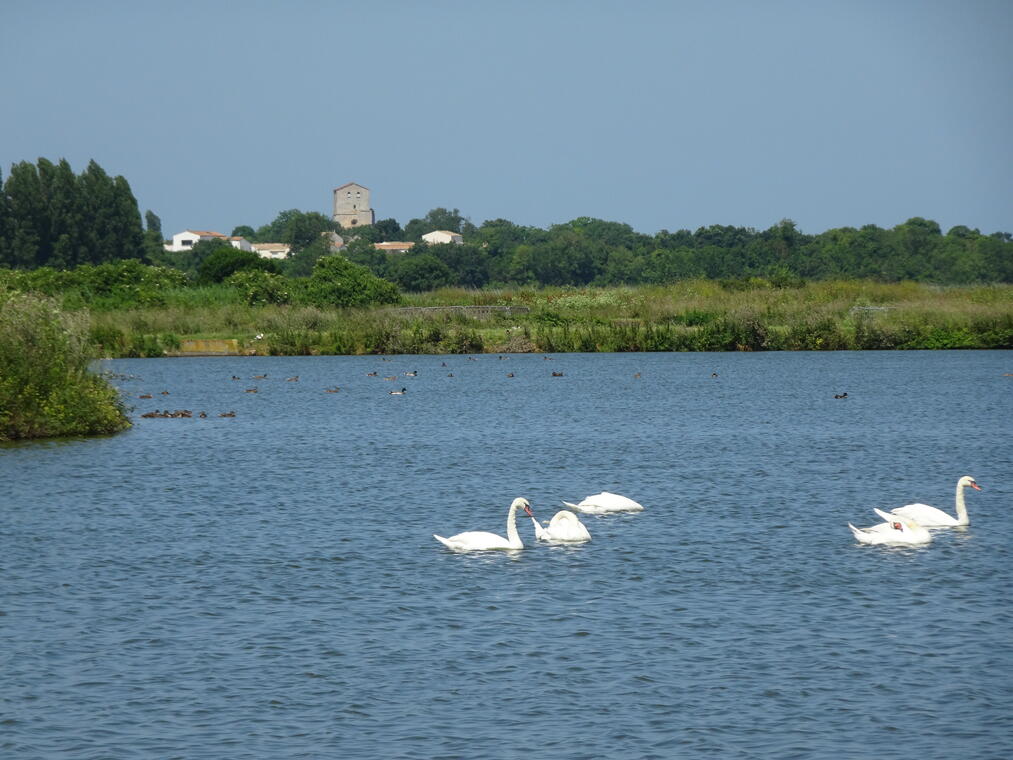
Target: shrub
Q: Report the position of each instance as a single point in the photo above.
(336, 281)
(45, 387)
(260, 287)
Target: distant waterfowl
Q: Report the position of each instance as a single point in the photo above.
(714, 374)
(146, 395)
(203, 415)
(450, 374)
(333, 389)
(401, 392)
(251, 390)
(411, 374)
(930, 517)
(636, 375)
(370, 374)
(391, 377)
(227, 414)
(605, 503)
(293, 379)
(841, 395)
(236, 377)
(895, 530)
(557, 374)
(510, 374)
(165, 393)
(564, 526)
(478, 540)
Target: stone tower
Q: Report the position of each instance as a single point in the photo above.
(351, 205)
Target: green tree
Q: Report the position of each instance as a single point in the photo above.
(438, 219)
(389, 230)
(417, 273)
(28, 224)
(225, 260)
(246, 231)
(336, 281)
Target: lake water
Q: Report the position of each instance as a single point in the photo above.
(267, 586)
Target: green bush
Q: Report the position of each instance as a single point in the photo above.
(45, 387)
(336, 281)
(260, 287)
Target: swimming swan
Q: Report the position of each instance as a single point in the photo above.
(480, 540)
(930, 517)
(564, 526)
(605, 503)
(895, 531)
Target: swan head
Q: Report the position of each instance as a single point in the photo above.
(966, 481)
(522, 503)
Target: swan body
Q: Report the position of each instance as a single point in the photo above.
(895, 531)
(480, 540)
(604, 503)
(930, 517)
(564, 526)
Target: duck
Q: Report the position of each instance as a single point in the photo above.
(370, 374)
(227, 414)
(293, 379)
(893, 531)
(930, 517)
(480, 540)
(565, 526)
(557, 374)
(605, 503)
(841, 395)
(334, 389)
(260, 377)
(411, 374)
(510, 374)
(251, 390)
(401, 392)
(146, 395)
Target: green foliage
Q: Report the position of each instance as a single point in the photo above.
(261, 287)
(112, 285)
(337, 282)
(419, 272)
(226, 260)
(45, 387)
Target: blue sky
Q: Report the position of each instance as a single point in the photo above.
(663, 115)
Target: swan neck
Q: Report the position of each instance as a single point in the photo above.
(961, 507)
(512, 535)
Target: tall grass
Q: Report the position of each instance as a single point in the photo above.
(692, 315)
(45, 386)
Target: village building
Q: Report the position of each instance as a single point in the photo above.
(187, 239)
(351, 206)
(394, 246)
(443, 236)
(272, 250)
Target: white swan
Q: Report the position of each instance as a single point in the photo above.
(930, 517)
(604, 503)
(896, 530)
(564, 526)
(480, 540)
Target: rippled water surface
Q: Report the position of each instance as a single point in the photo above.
(267, 586)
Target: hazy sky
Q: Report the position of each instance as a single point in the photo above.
(663, 115)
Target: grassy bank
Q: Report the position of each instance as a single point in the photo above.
(697, 315)
(46, 389)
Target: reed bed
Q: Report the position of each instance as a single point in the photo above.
(695, 315)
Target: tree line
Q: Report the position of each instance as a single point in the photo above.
(51, 217)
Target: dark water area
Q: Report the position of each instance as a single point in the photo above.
(267, 585)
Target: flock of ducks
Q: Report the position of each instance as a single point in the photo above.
(564, 527)
(909, 524)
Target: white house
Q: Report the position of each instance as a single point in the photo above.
(187, 239)
(272, 250)
(394, 246)
(443, 236)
